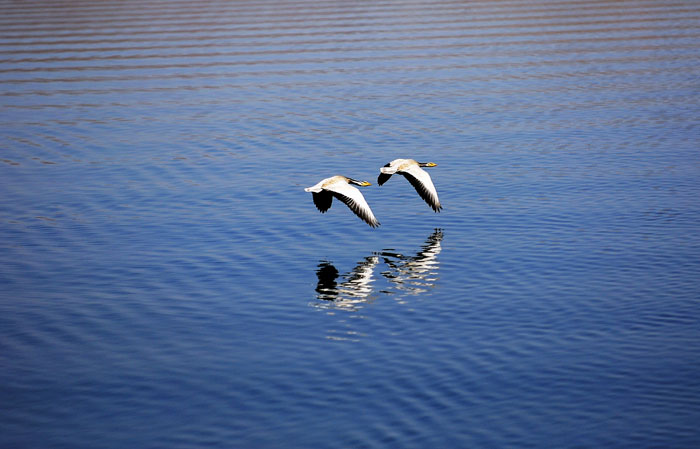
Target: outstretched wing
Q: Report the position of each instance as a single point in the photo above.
(420, 180)
(323, 200)
(353, 198)
(383, 177)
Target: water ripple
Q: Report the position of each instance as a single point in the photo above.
(162, 269)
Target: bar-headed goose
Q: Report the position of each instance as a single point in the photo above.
(339, 187)
(419, 178)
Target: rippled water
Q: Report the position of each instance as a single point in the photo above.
(165, 281)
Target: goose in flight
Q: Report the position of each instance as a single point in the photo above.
(339, 187)
(419, 178)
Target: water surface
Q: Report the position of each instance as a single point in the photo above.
(165, 281)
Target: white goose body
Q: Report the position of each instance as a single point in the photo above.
(339, 187)
(419, 178)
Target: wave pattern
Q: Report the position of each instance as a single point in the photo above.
(163, 271)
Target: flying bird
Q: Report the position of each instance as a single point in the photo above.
(419, 178)
(339, 187)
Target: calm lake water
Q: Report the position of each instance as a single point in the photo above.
(165, 281)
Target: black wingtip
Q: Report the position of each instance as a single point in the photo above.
(373, 224)
(382, 178)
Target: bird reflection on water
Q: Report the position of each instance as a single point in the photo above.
(414, 274)
(355, 289)
(405, 275)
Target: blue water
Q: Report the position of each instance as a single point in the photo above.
(165, 281)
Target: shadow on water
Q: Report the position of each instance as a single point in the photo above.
(404, 275)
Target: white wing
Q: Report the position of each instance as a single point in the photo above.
(353, 198)
(420, 180)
